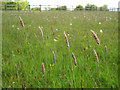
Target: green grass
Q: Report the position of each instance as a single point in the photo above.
(28, 72)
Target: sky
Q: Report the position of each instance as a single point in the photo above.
(110, 3)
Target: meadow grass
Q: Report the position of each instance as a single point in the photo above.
(24, 49)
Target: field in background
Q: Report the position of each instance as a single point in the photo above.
(24, 49)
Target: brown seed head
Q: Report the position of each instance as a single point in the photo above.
(95, 37)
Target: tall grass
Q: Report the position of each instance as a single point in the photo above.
(24, 50)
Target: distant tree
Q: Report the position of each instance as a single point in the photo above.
(53, 9)
(79, 7)
(15, 5)
(90, 7)
(36, 8)
(61, 8)
(104, 8)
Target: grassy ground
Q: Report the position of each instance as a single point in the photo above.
(24, 49)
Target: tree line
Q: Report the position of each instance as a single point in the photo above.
(24, 5)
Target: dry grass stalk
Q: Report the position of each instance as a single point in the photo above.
(66, 39)
(43, 68)
(54, 57)
(95, 37)
(96, 57)
(105, 49)
(21, 21)
(74, 59)
(41, 31)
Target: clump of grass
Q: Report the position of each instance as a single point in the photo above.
(21, 21)
(95, 37)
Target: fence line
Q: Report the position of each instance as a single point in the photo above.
(17, 7)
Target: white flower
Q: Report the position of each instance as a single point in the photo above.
(84, 16)
(70, 24)
(74, 17)
(56, 29)
(12, 51)
(17, 28)
(101, 31)
(13, 26)
(13, 82)
(99, 22)
(68, 34)
(55, 40)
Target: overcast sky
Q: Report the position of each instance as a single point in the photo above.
(110, 3)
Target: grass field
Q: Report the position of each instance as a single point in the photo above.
(24, 49)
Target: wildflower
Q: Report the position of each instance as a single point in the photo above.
(58, 35)
(68, 34)
(86, 48)
(70, 24)
(17, 28)
(99, 22)
(13, 26)
(101, 31)
(13, 82)
(55, 40)
(51, 65)
(56, 29)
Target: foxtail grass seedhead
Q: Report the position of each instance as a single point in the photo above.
(66, 39)
(21, 21)
(96, 57)
(105, 49)
(54, 57)
(74, 59)
(41, 31)
(95, 37)
(43, 68)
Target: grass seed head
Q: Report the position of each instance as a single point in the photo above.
(43, 68)
(74, 59)
(96, 57)
(54, 57)
(105, 49)
(41, 31)
(95, 37)
(66, 39)
(21, 21)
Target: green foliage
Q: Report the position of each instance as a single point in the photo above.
(24, 49)
(79, 7)
(90, 7)
(61, 8)
(17, 5)
(36, 8)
